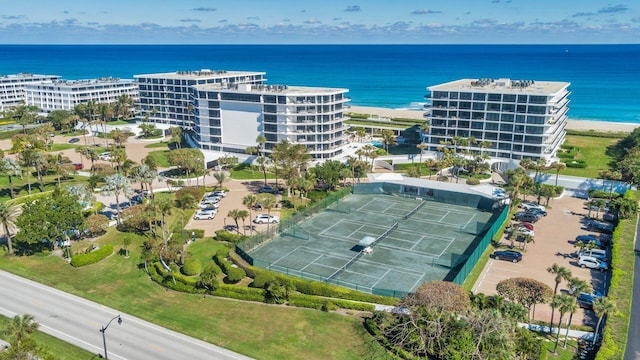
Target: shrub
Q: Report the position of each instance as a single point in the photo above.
(192, 267)
(195, 192)
(261, 280)
(239, 292)
(187, 233)
(224, 235)
(600, 194)
(92, 257)
(235, 274)
(578, 164)
(473, 181)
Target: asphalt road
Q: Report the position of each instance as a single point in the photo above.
(78, 321)
(633, 345)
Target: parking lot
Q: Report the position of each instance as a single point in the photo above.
(554, 243)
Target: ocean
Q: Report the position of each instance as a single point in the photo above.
(605, 79)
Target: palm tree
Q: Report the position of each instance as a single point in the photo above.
(564, 304)
(561, 273)
(559, 166)
(250, 201)
(243, 214)
(388, 138)
(421, 146)
(9, 213)
(220, 177)
(601, 307)
(116, 185)
(19, 328)
(577, 286)
(235, 215)
(10, 168)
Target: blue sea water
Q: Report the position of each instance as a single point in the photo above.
(605, 79)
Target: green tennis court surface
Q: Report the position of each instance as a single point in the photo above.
(412, 241)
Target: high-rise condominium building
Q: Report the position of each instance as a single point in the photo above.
(165, 97)
(503, 118)
(230, 117)
(66, 94)
(12, 87)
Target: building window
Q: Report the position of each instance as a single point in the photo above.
(495, 97)
(479, 96)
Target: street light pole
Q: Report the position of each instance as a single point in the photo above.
(104, 329)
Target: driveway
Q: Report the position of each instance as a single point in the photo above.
(554, 238)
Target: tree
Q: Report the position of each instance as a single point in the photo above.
(441, 295)
(243, 214)
(329, 173)
(20, 328)
(559, 166)
(9, 213)
(126, 242)
(577, 286)
(624, 207)
(564, 304)
(250, 202)
(388, 138)
(10, 168)
(119, 136)
(116, 185)
(209, 277)
(235, 215)
(24, 115)
(526, 292)
(561, 273)
(176, 136)
(97, 224)
(602, 306)
(48, 219)
(148, 130)
(421, 146)
(220, 177)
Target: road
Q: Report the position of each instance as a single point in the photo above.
(633, 345)
(78, 321)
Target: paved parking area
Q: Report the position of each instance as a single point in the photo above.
(554, 238)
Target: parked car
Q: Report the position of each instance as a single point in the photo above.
(265, 218)
(525, 216)
(78, 166)
(73, 140)
(268, 189)
(508, 255)
(587, 238)
(209, 204)
(531, 206)
(105, 156)
(585, 300)
(601, 227)
(204, 215)
(537, 212)
(596, 253)
(219, 193)
(212, 198)
(524, 231)
(592, 263)
(526, 225)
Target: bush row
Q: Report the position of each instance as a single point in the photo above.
(576, 164)
(226, 236)
(239, 292)
(187, 233)
(599, 134)
(314, 302)
(614, 341)
(92, 257)
(234, 274)
(600, 194)
(174, 281)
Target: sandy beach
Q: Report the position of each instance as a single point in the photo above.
(571, 124)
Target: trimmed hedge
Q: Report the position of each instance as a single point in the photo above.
(314, 302)
(174, 281)
(261, 280)
(577, 164)
(239, 292)
(92, 257)
(224, 235)
(599, 194)
(234, 274)
(192, 267)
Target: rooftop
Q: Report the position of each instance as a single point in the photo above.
(199, 74)
(507, 86)
(27, 76)
(269, 89)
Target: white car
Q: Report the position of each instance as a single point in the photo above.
(209, 204)
(592, 263)
(524, 231)
(532, 206)
(264, 218)
(596, 253)
(218, 193)
(204, 215)
(105, 156)
(212, 198)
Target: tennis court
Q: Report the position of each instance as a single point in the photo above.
(412, 240)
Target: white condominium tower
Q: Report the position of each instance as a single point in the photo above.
(511, 119)
(12, 87)
(165, 97)
(229, 118)
(66, 94)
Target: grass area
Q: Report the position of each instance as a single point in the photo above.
(20, 186)
(161, 157)
(621, 290)
(60, 147)
(561, 353)
(258, 330)
(121, 122)
(247, 172)
(161, 144)
(376, 124)
(54, 345)
(594, 151)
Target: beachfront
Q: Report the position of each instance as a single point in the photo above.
(571, 124)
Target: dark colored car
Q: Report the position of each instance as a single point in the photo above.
(537, 212)
(508, 255)
(526, 217)
(589, 238)
(585, 300)
(268, 190)
(74, 140)
(601, 227)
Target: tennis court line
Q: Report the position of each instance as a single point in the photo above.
(468, 222)
(411, 251)
(435, 222)
(381, 277)
(314, 260)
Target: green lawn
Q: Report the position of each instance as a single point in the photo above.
(594, 151)
(258, 330)
(60, 147)
(161, 144)
(245, 172)
(161, 157)
(20, 186)
(55, 346)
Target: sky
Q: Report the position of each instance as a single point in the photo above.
(319, 22)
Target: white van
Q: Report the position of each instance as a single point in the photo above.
(596, 253)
